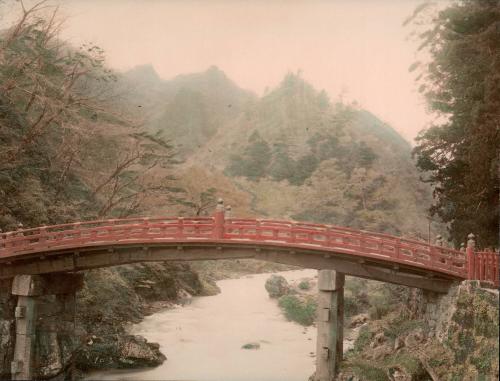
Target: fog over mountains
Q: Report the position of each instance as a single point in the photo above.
(291, 153)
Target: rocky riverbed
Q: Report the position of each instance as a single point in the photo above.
(91, 334)
(238, 335)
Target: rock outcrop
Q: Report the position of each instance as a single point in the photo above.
(91, 334)
(277, 286)
(436, 337)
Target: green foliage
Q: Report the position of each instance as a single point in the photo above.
(401, 326)
(368, 372)
(304, 167)
(66, 152)
(41, 109)
(345, 165)
(282, 166)
(351, 306)
(304, 285)
(466, 344)
(484, 360)
(410, 363)
(363, 339)
(380, 306)
(254, 161)
(300, 311)
(459, 156)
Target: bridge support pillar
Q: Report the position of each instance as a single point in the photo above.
(330, 323)
(28, 288)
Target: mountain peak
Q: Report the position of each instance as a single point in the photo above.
(143, 73)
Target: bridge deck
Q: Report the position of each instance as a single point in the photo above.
(326, 239)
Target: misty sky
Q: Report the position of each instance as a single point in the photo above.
(356, 46)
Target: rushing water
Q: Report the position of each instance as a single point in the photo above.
(202, 341)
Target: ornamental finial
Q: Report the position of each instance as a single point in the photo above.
(471, 241)
(220, 205)
(439, 240)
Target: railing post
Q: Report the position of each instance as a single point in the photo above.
(145, 222)
(180, 227)
(488, 274)
(42, 240)
(228, 213)
(292, 232)
(219, 220)
(471, 243)
(397, 250)
(496, 270)
(480, 264)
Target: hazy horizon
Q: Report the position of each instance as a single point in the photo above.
(354, 48)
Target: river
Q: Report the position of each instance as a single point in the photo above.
(203, 340)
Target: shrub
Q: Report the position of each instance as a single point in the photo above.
(363, 339)
(351, 306)
(380, 307)
(300, 311)
(304, 285)
(399, 327)
(369, 372)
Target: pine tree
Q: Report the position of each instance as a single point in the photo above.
(460, 156)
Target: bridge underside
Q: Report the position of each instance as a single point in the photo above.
(96, 257)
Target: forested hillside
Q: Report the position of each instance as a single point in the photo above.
(57, 114)
(72, 149)
(293, 152)
(188, 109)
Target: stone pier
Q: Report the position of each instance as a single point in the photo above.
(28, 288)
(330, 323)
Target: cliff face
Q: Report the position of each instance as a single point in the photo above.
(7, 305)
(110, 299)
(439, 337)
(466, 327)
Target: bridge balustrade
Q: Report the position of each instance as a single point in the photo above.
(290, 234)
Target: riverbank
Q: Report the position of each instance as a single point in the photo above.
(203, 340)
(91, 333)
(206, 339)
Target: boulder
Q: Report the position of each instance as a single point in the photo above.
(277, 286)
(358, 320)
(251, 346)
(136, 351)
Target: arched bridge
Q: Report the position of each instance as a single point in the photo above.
(37, 260)
(86, 245)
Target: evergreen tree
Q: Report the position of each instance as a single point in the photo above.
(282, 166)
(255, 160)
(462, 84)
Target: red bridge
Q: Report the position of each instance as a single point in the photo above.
(86, 245)
(40, 259)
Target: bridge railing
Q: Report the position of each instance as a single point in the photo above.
(104, 232)
(349, 241)
(486, 267)
(327, 238)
